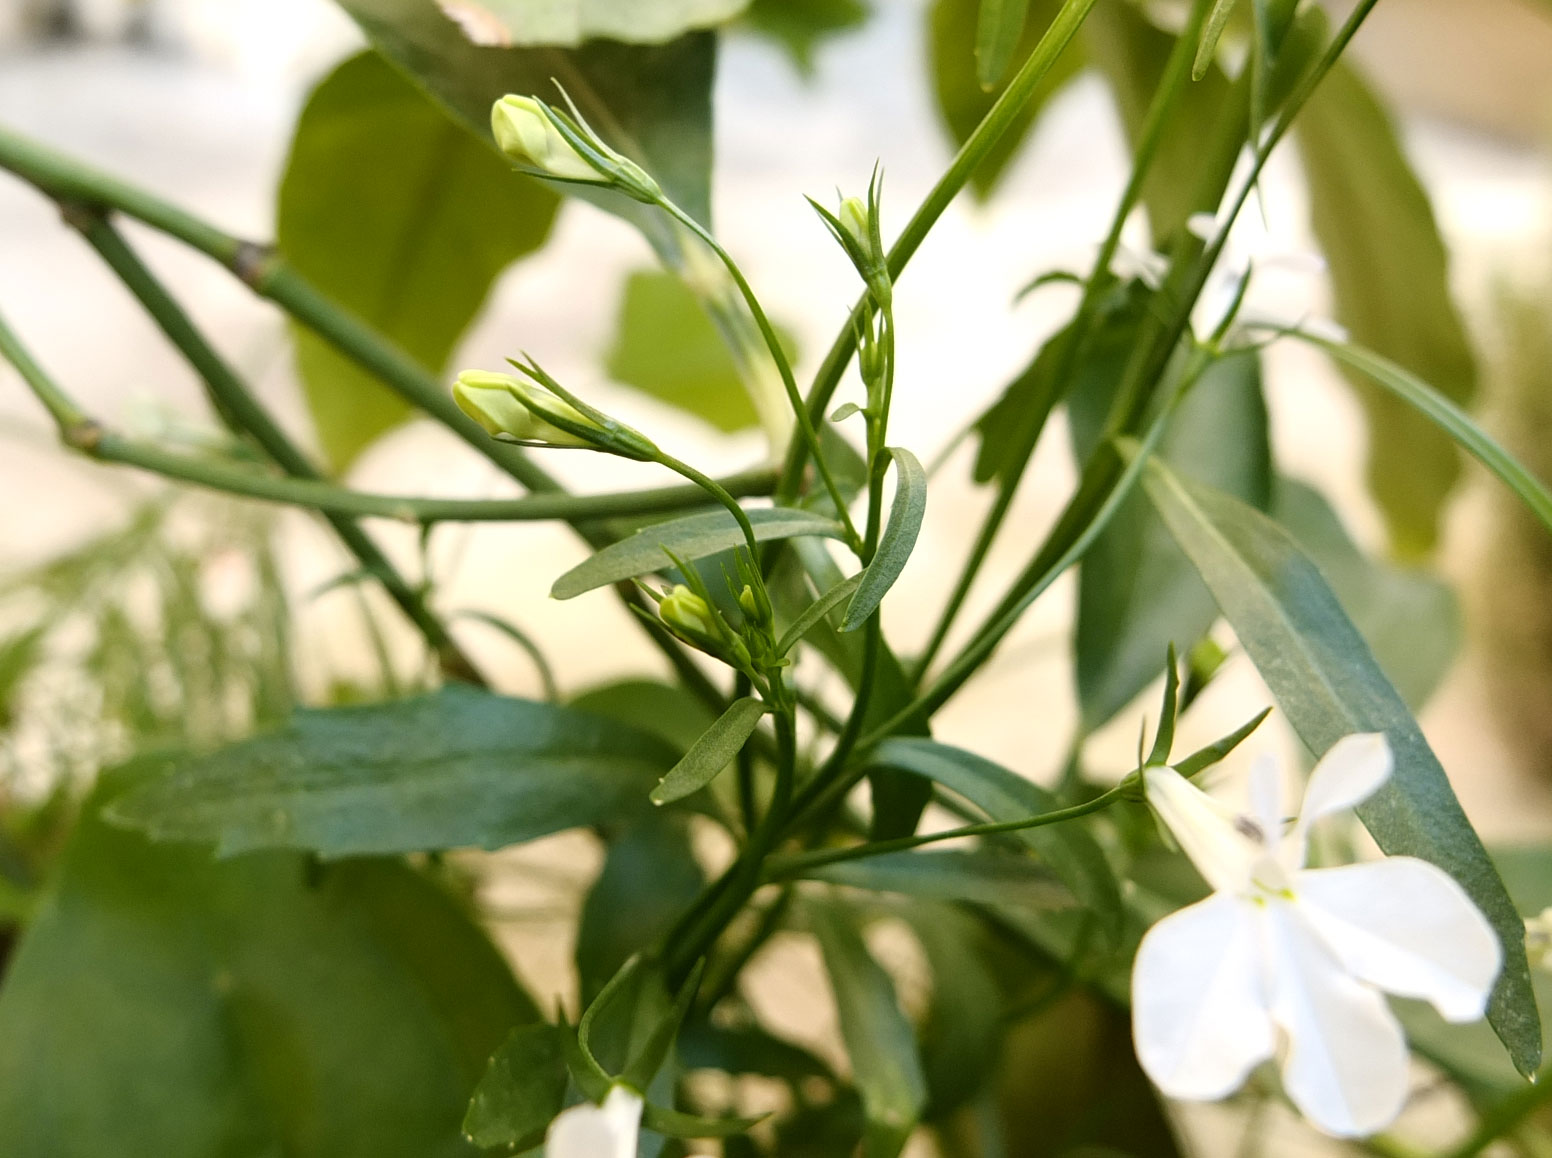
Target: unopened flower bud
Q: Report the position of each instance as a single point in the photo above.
(688, 615)
(525, 132)
(853, 216)
(513, 410)
(748, 603)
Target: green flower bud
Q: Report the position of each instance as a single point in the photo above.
(525, 132)
(690, 616)
(748, 603)
(853, 216)
(513, 410)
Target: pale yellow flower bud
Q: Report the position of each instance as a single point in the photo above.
(526, 134)
(688, 614)
(496, 402)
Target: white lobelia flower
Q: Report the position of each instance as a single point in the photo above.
(1281, 947)
(589, 1131)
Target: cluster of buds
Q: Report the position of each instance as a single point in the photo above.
(536, 410)
(855, 226)
(563, 147)
(691, 613)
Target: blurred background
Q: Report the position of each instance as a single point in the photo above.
(191, 615)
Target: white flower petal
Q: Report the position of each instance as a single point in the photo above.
(1347, 775)
(1346, 1066)
(1405, 925)
(1205, 829)
(1266, 798)
(1199, 1004)
(589, 1131)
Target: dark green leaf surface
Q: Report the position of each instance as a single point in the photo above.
(165, 1005)
(651, 102)
(691, 537)
(879, 1038)
(898, 541)
(712, 751)
(1390, 279)
(403, 217)
(1068, 848)
(670, 712)
(984, 876)
(953, 37)
(1137, 593)
(1410, 619)
(1328, 684)
(522, 1091)
(454, 769)
(570, 22)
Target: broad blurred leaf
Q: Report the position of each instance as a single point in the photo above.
(669, 712)
(649, 879)
(691, 537)
(1137, 593)
(713, 750)
(1390, 280)
(963, 102)
(984, 876)
(879, 1038)
(961, 1042)
(453, 769)
(999, 28)
(801, 26)
(666, 347)
(18, 655)
(567, 23)
(1328, 684)
(404, 218)
(1410, 619)
(897, 542)
(521, 1092)
(1003, 795)
(747, 1049)
(164, 1005)
(652, 102)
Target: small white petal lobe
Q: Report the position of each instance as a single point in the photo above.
(1205, 829)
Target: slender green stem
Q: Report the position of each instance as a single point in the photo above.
(716, 490)
(796, 865)
(1177, 74)
(998, 120)
(805, 421)
(1503, 1117)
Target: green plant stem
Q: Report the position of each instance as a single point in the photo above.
(1177, 73)
(1503, 1117)
(785, 868)
(998, 120)
(805, 420)
(244, 415)
(717, 491)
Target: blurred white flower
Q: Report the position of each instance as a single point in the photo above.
(589, 1131)
(1304, 951)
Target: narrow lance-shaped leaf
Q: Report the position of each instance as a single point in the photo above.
(1212, 32)
(1329, 686)
(456, 768)
(898, 541)
(879, 1038)
(815, 612)
(999, 27)
(710, 754)
(984, 876)
(1068, 848)
(691, 537)
(522, 1090)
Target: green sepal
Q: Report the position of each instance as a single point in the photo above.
(1206, 757)
(1167, 714)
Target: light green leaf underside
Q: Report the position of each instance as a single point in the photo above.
(690, 538)
(1328, 684)
(454, 769)
(712, 752)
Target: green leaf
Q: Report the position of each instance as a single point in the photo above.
(691, 537)
(454, 769)
(816, 612)
(953, 39)
(1448, 417)
(404, 218)
(19, 654)
(985, 876)
(1137, 593)
(899, 539)
(651, 102)
(1212, 32)
(649, 878)
(1410, 619)
(668, 711)
(878, 1036)
(712, 752)
(1390, 280)
(521, 1092)
(747, 1049)
(165, 1005)
(1328, 684)
(800, 26)
(666, 347)
(1193, 160)
(999, 28)
(505, 23)
(1003, 795)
